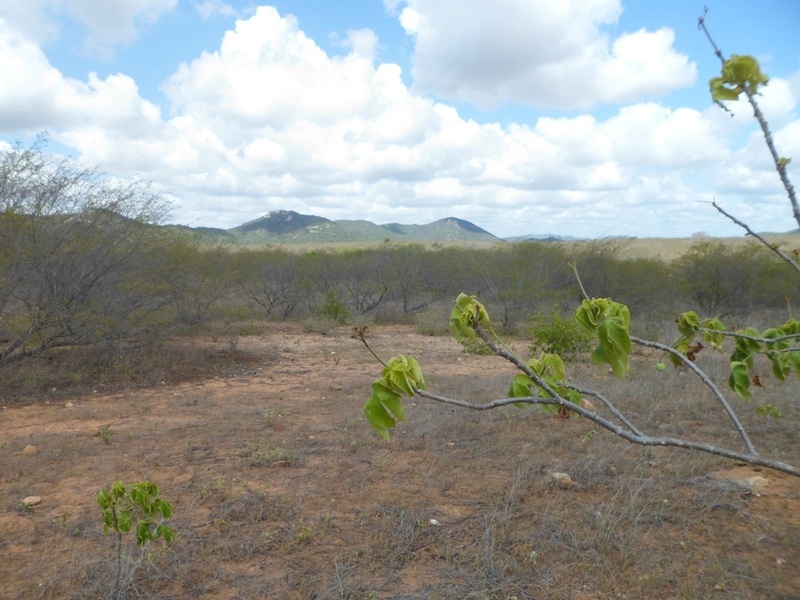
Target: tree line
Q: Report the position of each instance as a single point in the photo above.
(83, 261)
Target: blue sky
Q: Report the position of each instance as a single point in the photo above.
(581, 117)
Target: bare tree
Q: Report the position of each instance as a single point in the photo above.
(69, 242)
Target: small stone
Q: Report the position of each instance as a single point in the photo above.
(587, 405)
(70, 404)
(562, 480)
(30, 449)
(758, 484)
(31, 500)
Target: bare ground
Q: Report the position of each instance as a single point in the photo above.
(281, 490)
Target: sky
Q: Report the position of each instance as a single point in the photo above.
(586, 118)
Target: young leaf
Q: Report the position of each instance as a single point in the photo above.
(520, 386)
(378, 417)
(615, 346)
(104, 499)
(688, 324)
(739, 379)
(466, 313)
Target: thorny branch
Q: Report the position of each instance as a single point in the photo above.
(780, 163)
(627, 430)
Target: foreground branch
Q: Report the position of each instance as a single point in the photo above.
(788, 259)
(780, 163)
(752, 458)
(626, 430)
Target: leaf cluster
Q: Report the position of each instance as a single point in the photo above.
(610, 321)
(466, 314)
(401, 375)
(778, 344)
(739, 73)
(138, 506)
(550, 369)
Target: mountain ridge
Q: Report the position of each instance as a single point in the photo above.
(291, 227)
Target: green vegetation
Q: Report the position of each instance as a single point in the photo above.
(141, 508)
(717, 282)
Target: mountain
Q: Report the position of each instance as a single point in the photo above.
(290, 227)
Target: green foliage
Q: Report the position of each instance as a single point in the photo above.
(136, 507)
(467, 313)
(139, 507)
(725, 281)
(555, 334)
(105, 433)
(740, 73)
(550, 368)
(610, 321)
(778, 344)
(402, 375)
(333, 308)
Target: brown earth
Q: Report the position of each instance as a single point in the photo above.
(281, 490)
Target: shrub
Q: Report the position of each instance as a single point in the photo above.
(555, 334)
(333, 308)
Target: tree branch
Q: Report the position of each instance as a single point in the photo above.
(707, 381)
(749, 231)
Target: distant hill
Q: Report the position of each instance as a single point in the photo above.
(290, 227)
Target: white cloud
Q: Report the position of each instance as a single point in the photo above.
(35, 96)
(270, 121)
(553, 54)
(208, 9)
(106, 24)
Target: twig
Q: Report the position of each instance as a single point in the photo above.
(707, 381)
(749, 231)
(780, 164)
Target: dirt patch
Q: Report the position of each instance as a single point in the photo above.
(281, 490)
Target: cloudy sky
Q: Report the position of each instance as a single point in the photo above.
(579, 117)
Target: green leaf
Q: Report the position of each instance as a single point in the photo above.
(143, 534)
(592, 312)
(165, 532)
(688, 324)
(104, 499)
(467, 313)
(164, 507)
(739, 379)
(124, 521)
(711, 335)
(768, 410)
(721, 92)
(520, 386)
(615, 346)
(739, 72)
(378, 417)
(402, 374)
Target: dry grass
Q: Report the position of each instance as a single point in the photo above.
(281, 490)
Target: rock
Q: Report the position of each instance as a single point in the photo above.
(31, 500)
(758, 484)
(561, 480)
(587, 405)
(30, 449)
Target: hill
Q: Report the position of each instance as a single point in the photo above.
(290, 227)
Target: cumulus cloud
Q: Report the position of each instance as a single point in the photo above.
(269, 120)
(36, 96)
(106, 24)
(552, 54)
(208, 9)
